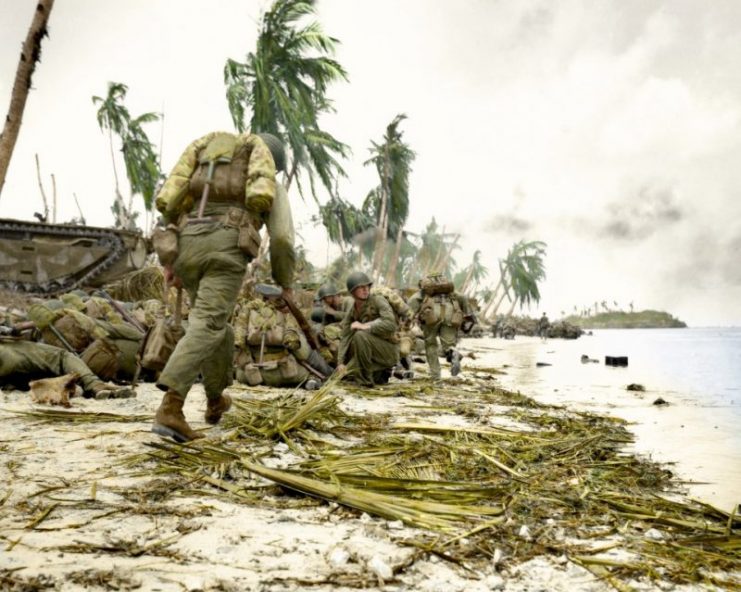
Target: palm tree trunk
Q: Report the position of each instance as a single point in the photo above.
(391, 276)
(447, 254)
(30, 54)
(512, 308)
(499, 303)
(464, 285)
(292, 174)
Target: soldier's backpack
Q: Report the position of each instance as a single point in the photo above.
(266, 326)
(397, 303)
(435, 284)
(440, 308)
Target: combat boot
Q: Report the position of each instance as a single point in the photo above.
(101, 390)
(216, 407)
(169, 421)
(454, 357)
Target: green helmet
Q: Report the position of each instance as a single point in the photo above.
(327, 290)
(357, 278)
(276, 149)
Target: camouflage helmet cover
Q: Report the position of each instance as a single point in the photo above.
(327, 290)
(356, 279)
(276, 149)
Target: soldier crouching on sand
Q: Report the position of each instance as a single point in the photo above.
(368, 351)
(207, 247)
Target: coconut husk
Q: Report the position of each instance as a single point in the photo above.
(54, 391)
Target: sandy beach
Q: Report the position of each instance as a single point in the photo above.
(79, 511)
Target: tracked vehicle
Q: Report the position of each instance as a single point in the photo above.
(52, 258)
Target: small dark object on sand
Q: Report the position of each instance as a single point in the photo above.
(540, 364)
(660, 401)
(616, 360)
(635, 387)
(585, 359)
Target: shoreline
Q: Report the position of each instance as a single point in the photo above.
(87, 504)
(694, 435)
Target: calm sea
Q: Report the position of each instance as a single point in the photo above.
(697, 371)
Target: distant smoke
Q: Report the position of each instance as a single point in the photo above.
(508, 223)
(642, 214)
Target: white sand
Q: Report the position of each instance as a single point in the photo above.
(200, 542)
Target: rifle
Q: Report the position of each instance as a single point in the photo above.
(302, 322)
(122, 311)
(19, 328)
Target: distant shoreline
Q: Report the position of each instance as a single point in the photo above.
(644, 319)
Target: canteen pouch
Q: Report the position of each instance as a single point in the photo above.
(165, 243)
(249, 240)
(159, 343)
(290, 370)
(429, 312)
(456, 319)
(252, 375)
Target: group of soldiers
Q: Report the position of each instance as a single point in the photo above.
(221, 192)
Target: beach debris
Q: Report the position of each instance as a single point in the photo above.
(634, 386)
(653, 535)
(54, 391)
(380, 568)
(338, 557)
(585, 359)
(616, 361)
(467, 485)
(660, 401)
(541, 364)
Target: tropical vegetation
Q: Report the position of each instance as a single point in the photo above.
(281, 88)
(140, 158)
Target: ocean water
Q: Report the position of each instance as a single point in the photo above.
(697, 371)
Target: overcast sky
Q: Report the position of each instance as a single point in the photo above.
(609, 130)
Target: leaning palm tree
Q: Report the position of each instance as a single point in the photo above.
(472, 275)
(520, 272)
(30, 55)
(281, 88)
(526, 270)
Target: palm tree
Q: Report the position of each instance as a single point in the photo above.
(342, 220)
(472, 275)
(521, 271)
(388, 203)
(434, 252)
(30, 54)
(140, 159)
(283, 85)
